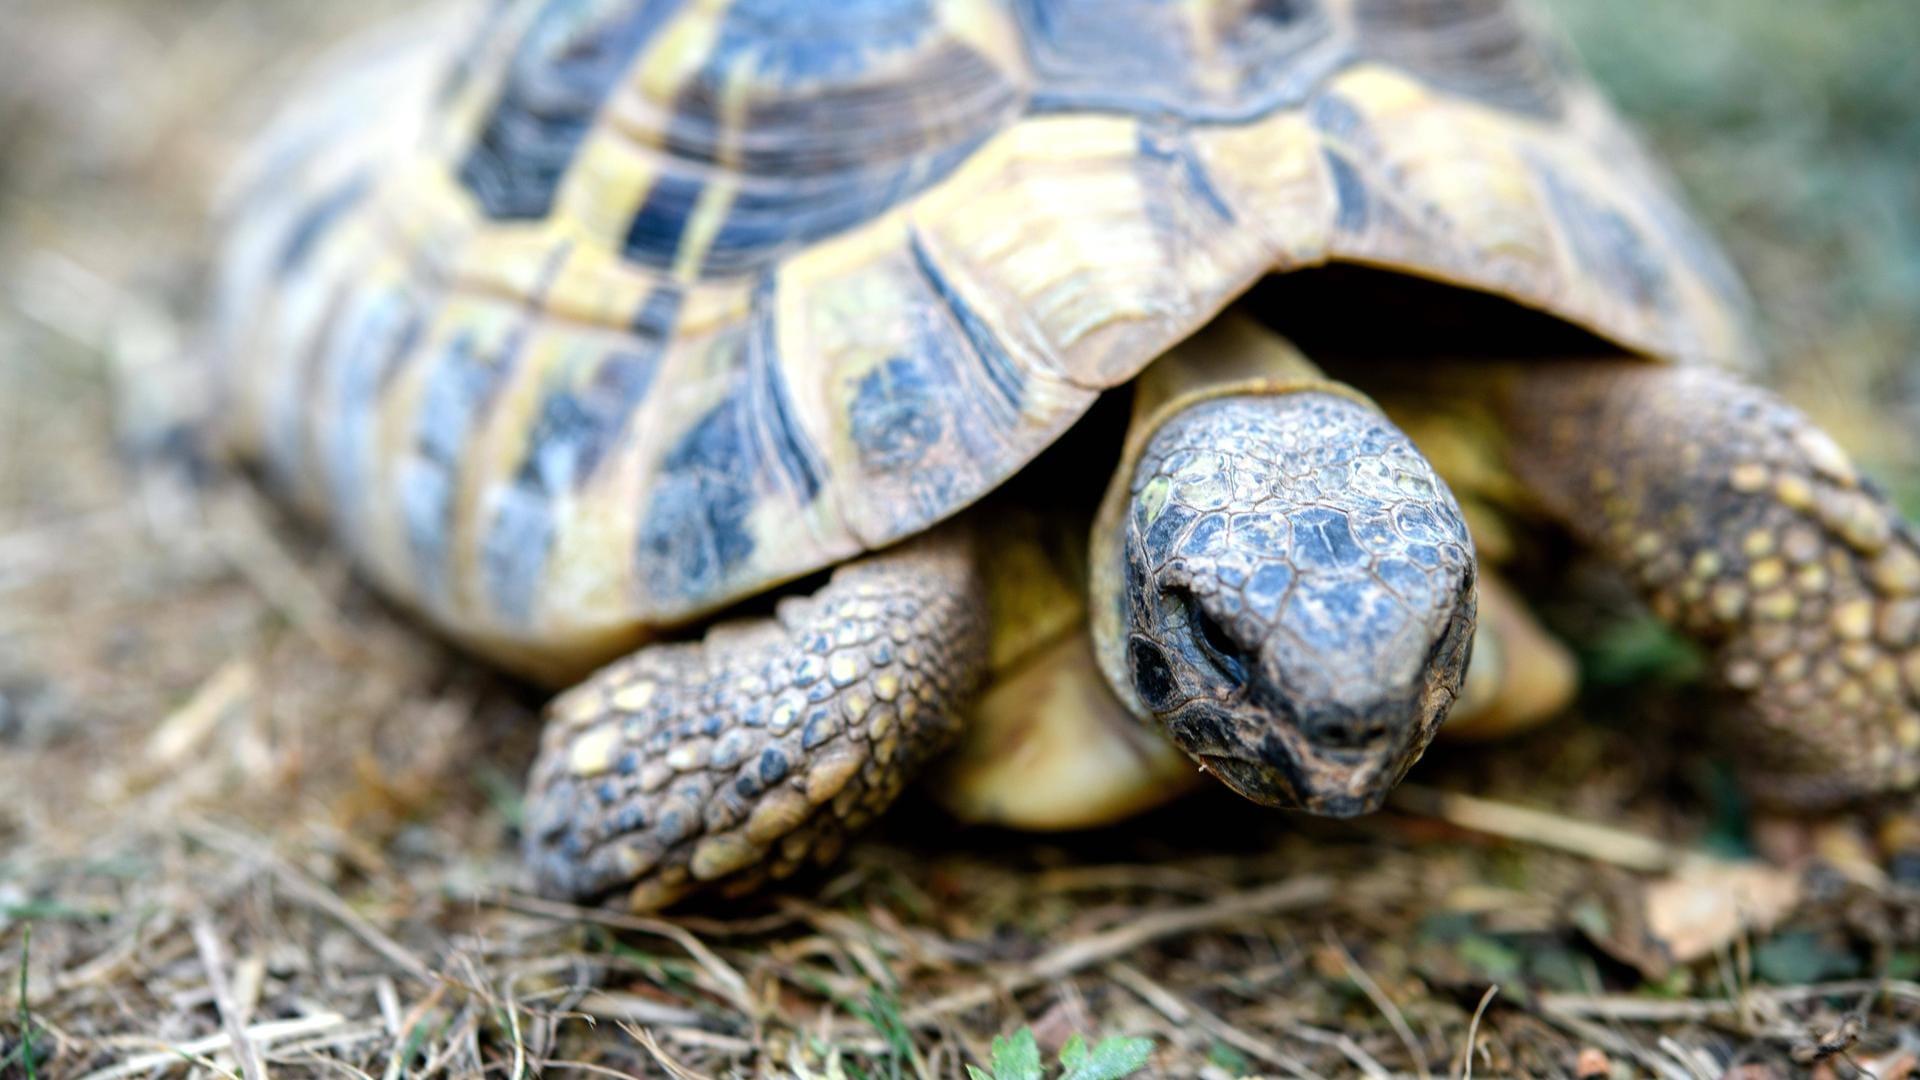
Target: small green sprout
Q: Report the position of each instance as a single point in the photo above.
(25, 1051)
(1018, 1058)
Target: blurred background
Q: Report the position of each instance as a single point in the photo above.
(207, 730)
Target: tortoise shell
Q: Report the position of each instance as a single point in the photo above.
(578, 319)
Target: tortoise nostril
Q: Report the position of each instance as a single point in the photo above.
(1342, 730)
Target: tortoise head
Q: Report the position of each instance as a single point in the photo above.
(1287, 588)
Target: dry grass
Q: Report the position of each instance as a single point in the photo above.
(255, 823)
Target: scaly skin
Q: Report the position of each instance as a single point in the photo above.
(1747, 528)
(750, 753)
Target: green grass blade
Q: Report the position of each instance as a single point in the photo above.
(26, 1015)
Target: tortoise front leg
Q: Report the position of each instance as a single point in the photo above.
(1748, 528)
(750, 753)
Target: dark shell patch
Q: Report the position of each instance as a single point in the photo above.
(747, 448)
(460, 386)
(1605, 242)
(318, 219)
(559, 76)
(696, 525)
(893, 420)
(1167, 156)
(845, 110)
(371, 338)
(1479, 49)
(575, 427)
(1351, 191)
(1002, 374)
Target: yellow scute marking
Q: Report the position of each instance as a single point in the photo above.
(1270, 174)
(1053, 213)
(1485, 194)
(844, 256)
(1377, 89)
(388, 556)
(598, 289)
(507, 262)
(609, 180)
(494, 453)
(588, 580)
(682, 47)
(986, 27)
(710, 307)
(703, 225)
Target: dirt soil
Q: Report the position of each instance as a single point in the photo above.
(254, 822)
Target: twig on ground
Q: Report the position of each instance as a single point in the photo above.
(512, 1009)
(1528, 825)
(652, 1045)
(1693, 1059)
(187, 728)
(1384, 1003)
(404, 1032)
(1618, 1045)
(1126, 876)
(1473, 1033)
(730, 980)
(1186, 1013)
(262, 1035)
(1368, 1065)
(613, 1005)
(213, 959)
(1164, 1001)
(586, 1067)
(312, 893)
(1898, 989)
(1634, 1008)
(296, 1050)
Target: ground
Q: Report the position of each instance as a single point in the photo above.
(254, 822)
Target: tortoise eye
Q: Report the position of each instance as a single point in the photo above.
(1219, 646)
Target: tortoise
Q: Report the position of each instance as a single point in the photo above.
(813, 388)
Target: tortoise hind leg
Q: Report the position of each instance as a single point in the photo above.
(756, 750)
(1749, 529)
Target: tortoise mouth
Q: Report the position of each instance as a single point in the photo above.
(1287, 770)
(1296, 789)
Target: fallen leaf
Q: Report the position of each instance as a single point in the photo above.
(1700, 908)
(1707, 904)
